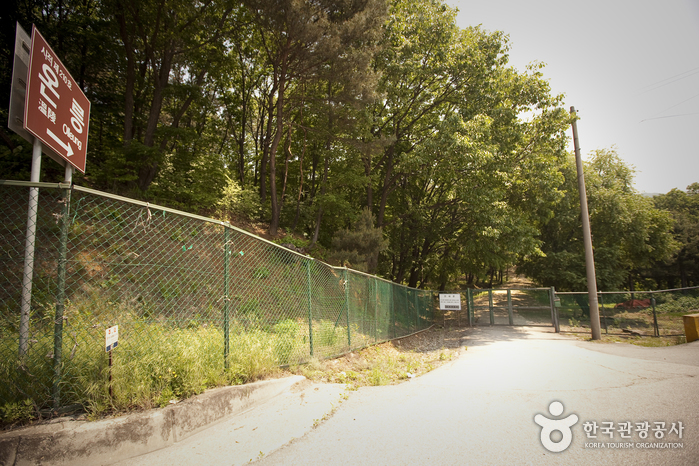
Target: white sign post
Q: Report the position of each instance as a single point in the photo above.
(450, 301)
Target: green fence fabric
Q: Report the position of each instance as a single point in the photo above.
(195, 298)
(657, 313)
(172, 282)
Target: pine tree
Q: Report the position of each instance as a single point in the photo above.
(359, 247)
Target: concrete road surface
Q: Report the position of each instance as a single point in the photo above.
(481, 408)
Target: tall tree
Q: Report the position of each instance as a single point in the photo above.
(683, 268)
(629, 233)
(159, 36)
(461, 176)
(301, 40)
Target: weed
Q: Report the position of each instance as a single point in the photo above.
(377, 377)
(17, 412)
(330, 336)
(287, 341)
(261, 273)
(152, 365)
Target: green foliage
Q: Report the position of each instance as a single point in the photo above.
(683, 268)
(17, 412)
(251, 307)
(287, 339)
(360, 246)
(333, 338)
(152, 365)
(261, 273)
(629, 233)
(233, 108)
(252, 356)
(377, 377)
(237, 203)
(676, 303)
(300, 243)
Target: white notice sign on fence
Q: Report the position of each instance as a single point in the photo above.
(450, 301)
(111, 337)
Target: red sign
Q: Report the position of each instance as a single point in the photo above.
(56, 111)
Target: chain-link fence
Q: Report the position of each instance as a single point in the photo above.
(516, 306)
(643, 313)
(640, 313)
(198, 302)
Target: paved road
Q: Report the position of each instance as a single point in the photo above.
(478, 409)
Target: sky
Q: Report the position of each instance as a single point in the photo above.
(630, 69)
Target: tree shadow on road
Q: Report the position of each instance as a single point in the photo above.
(482, 336)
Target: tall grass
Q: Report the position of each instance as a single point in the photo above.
(154, 362)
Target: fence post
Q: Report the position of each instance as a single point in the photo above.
(554, 312)
(469, 306)
(443, 312)
(458, 318)
(393, 313)
(490, 306)
(604, 314)
(310, 306)
(417, 311)
(60, 300)
(347, 309)
(509, 307)
(656, 330)
(376, 309)
(226, 298)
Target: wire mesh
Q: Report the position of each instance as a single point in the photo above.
(198, 303)
(650, 313)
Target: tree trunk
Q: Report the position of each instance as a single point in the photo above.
(319, 216)
(130, 78)
(298, 199)
(241, 145)
(288, 155)
(386, 189)
(265, 137)
(149, 167)
(274, 223)
(326, 168)
(369, 187)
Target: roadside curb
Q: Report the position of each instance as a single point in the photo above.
(111, 440)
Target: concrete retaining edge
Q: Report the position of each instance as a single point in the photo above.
(107, 441)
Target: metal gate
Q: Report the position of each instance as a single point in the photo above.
(532, 307)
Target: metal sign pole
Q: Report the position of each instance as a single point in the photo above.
(30, 241)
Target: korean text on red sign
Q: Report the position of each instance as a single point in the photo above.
(56, 111)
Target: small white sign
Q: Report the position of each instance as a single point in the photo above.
(449, 302)
(112, 337)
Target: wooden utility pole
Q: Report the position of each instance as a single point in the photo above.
(587, 237)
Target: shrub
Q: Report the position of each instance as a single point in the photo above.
(287, 332)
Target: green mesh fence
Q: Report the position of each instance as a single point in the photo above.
(198, 303)
(523, 307)
(654, 313)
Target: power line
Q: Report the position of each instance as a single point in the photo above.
(669, 116)
(673, 106)
(670, 80)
